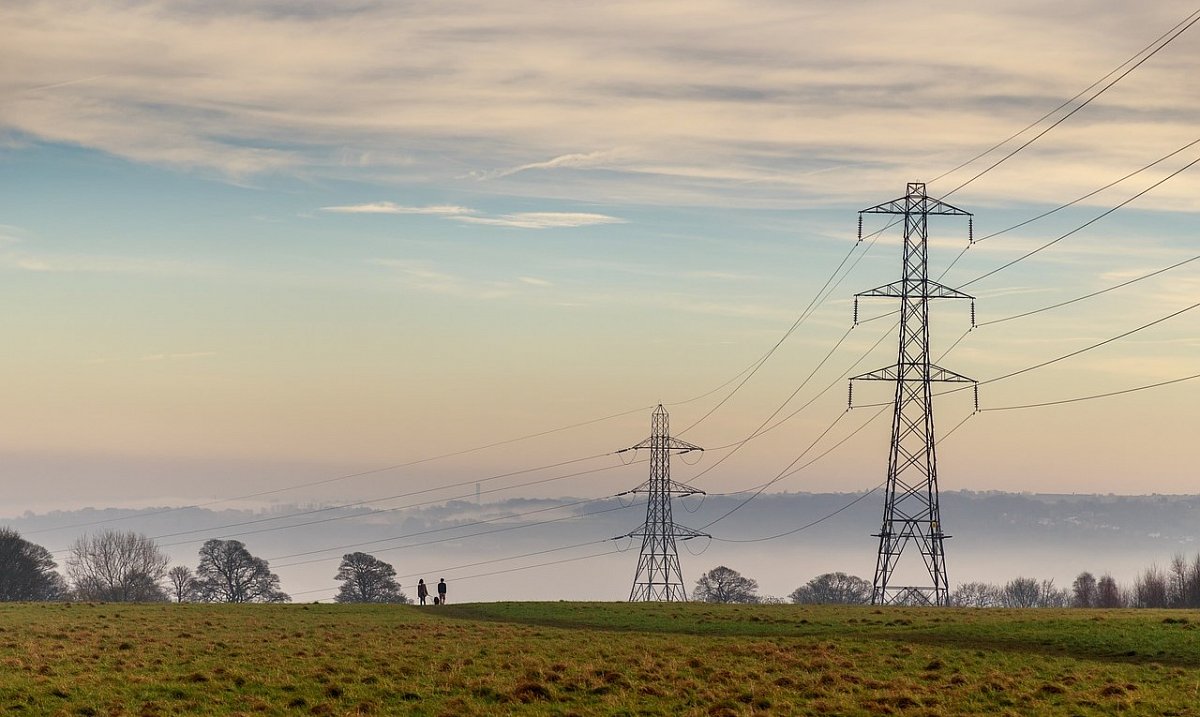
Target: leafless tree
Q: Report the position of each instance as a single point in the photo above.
(1150, 589)
(1021, 592)
(1050, 596)
(1192, 594)
(229, 573)
(725, 585)
(833, 589)
(1178, 577)
(977, 594)
(183, 584)
(117, 566)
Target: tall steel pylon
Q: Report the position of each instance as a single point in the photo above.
(910, 510)
(658, 575)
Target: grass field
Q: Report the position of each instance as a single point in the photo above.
(594, 658)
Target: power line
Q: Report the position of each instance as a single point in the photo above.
(1039, 120)
(763, 430)
(1092, 193)
(1195, 16)
(501, 572)
(1063, 357)
(752, 369)
(780, 476)
(1083, 226)
(1077, 299)
(1072, 354)
(858, 499)
(385, 510)
(436, 541)
(365, 513)
(806, 526)
(819, 298)
(473, 565)
(1093, 397)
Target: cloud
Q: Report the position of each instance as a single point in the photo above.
(441, 210)
(532, 281)
(544, 220)
(802, 90)
(569, 161)
(522, 220)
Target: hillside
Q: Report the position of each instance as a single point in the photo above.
(592, 659)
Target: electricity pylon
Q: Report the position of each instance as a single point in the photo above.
(658, 574)
(910, 509)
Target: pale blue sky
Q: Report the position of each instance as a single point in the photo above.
(290, 243)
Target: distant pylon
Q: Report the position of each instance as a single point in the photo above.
(658, 575)
(910, 510)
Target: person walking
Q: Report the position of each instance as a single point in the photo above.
(442, 590)
(422, 591)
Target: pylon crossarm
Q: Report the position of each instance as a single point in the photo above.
(887, 373)
(672, 444)
(937, 373)
(933, 290)
(673, 530)
(921, 204)
(668, 486)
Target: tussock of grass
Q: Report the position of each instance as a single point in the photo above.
(592, 659)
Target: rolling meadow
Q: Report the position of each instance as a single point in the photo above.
(566, 658)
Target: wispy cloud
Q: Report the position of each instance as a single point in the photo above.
(564, 161)
(784, 99)
(544, 220)
(521, 220)
(439, 210)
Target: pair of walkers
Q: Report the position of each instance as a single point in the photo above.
(423, 592)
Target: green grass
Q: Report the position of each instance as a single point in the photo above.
(594, 658)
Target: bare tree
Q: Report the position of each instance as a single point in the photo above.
(725, 585)
(229, 573)
(27, 570)
(833, 589)
(1192, 594)
(1108, 593)
(183, 584)
(977, 594)
(1050, 596)
(117, 566)
(1021, 592)
(1178, 575)
(365, 578)
(1083, 590)
(1150, 589)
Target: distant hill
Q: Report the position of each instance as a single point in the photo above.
(996, 536)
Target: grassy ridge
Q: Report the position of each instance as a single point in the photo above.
(594, 658)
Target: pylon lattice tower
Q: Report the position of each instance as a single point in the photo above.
(658, 574)
(910, 510)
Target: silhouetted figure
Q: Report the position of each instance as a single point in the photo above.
(422, 591)
(436, 601)
(442, 590)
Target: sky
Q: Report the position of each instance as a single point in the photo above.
(252, 245)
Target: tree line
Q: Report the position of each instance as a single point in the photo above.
(119, 566)
(1176, 586)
